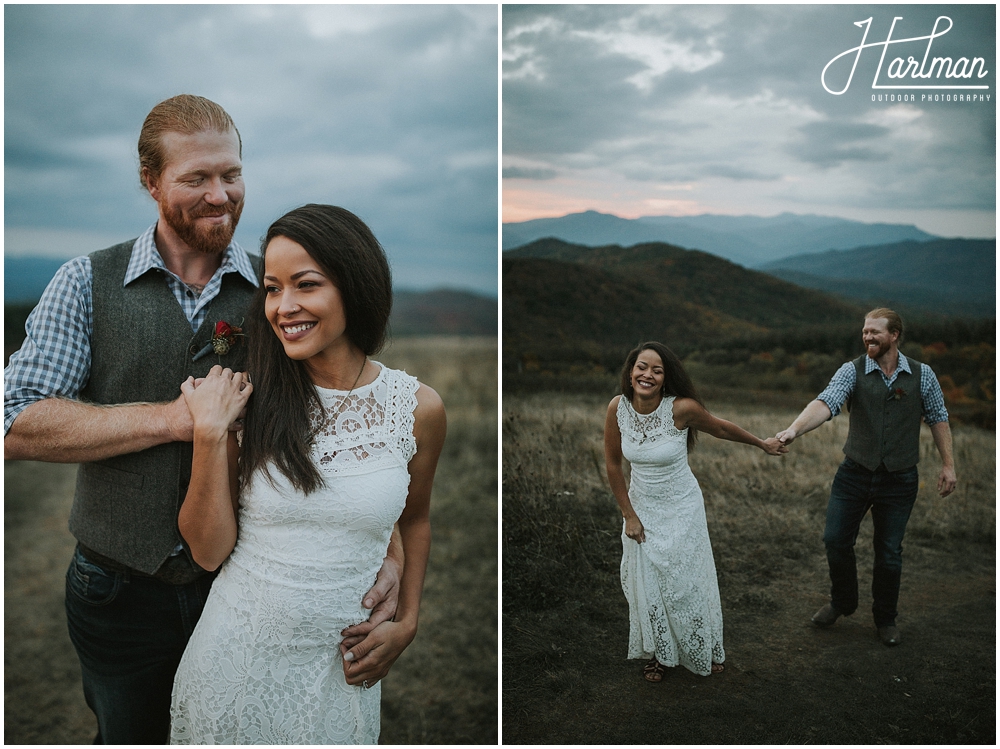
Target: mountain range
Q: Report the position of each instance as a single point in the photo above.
(569, 304)
(943, 276)
(747, 240)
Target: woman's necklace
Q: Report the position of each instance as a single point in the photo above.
(343, 403)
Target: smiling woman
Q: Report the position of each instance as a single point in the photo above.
(303, 305)
(667, 570)
(338, 456)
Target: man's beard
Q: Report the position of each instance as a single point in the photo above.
(880, 349)
(211, 239)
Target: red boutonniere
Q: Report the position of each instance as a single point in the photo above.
(225, 337)
(898, 393)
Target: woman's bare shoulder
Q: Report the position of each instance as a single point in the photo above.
(686, 405)
(429, 403)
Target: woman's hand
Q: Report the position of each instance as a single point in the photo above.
(634, 529)
(371, 659)
(216, 401)
(774, 446)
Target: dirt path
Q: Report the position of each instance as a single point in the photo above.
(788, 681)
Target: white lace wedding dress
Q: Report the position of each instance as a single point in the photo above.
(263, 665)
(669, 580)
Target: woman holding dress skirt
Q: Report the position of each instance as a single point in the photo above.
(336, 449)
(667, 571)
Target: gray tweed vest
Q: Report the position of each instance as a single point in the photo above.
(885, 422)
(126, 507)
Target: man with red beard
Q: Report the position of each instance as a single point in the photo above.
(887, 395)
(97, 382)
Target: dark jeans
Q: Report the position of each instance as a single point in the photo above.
(129, 632)
(890, 497)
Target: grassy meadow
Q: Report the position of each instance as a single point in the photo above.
(566, 622)
(443, 687)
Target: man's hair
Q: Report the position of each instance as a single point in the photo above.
(185, 113)
(894, 320)
(277, 429)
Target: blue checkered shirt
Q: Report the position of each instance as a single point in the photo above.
(842, 385)
(54, 360)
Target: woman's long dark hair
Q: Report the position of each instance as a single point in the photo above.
(277, 428)
(676, 380)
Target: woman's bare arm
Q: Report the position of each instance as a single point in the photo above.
(690, 413)
(616, 475)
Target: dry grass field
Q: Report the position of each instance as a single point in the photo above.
(441, 690)
(565, 676)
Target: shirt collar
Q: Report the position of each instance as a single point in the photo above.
(146, 257)
(871, 365)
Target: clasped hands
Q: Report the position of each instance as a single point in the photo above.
(217, 400)
(225, 390)
(774, 446)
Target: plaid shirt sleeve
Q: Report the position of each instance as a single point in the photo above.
(54, 360)
(932, 397)
(840, 388)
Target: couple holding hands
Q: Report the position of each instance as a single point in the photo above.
(667, 570)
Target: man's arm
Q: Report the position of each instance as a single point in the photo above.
(814, 414)
(936, 416)
(42, 419)
(942, 440)
(59, 430)
(826, 405)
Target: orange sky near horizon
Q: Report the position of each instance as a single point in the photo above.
(523, 203)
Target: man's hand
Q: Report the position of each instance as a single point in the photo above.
(381, 599)
(947, 481)
(786, 437)
(371, 659)
(815, 413)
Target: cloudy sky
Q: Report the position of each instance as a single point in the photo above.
(389, 111)
(644, 110)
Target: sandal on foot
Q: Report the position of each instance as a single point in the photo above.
(653, 671)
(718, 668)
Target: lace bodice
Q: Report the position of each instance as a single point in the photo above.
(367, 427)
(640, 428)
(263, 664)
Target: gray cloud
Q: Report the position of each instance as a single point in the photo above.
(390, 111)
(514, 172)
(828, 144)
(730, 98)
